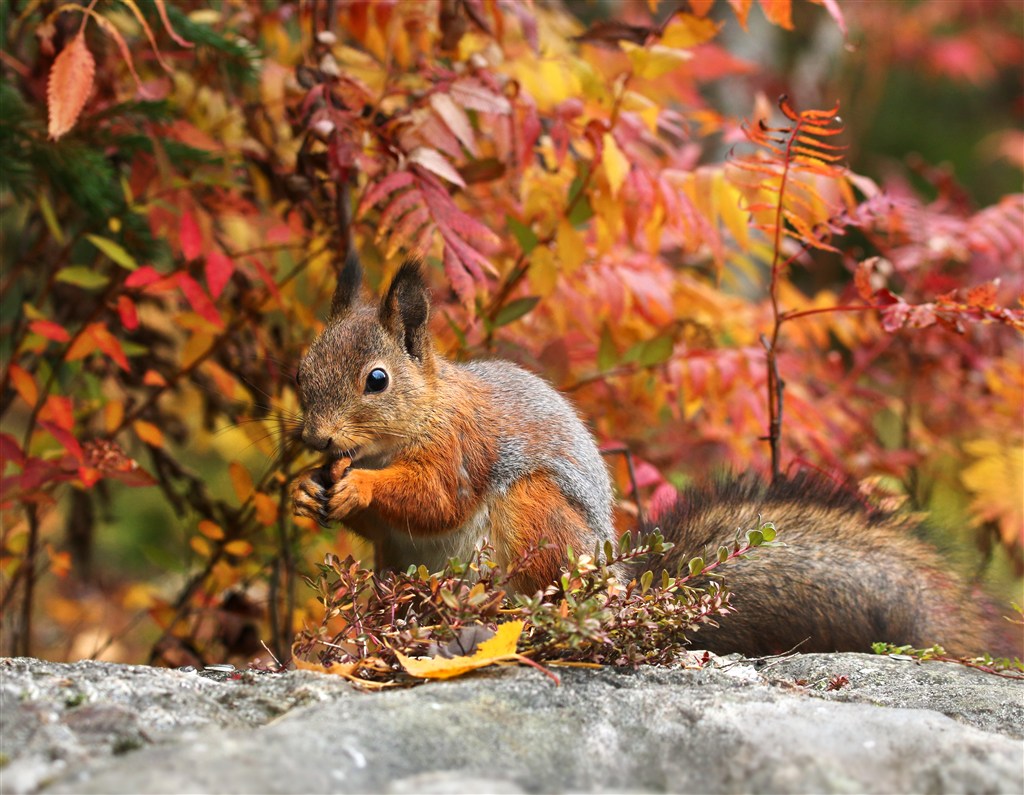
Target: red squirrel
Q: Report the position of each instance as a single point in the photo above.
(427, 458)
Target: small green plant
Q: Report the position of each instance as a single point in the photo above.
(373, 625)
(1000, 666)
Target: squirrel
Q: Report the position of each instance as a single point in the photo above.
(427, 457)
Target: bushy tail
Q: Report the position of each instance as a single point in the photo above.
(845, 575)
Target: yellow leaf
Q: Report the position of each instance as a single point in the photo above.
(200, 545)
(241, 480)
(139, 596)
(211, 530)
(266, 508)
(69, 85)
(195, 346)
(239, 547)
(113, 413)
(616, 165)
(148, 433)
(995, 480)
(654, 60)
(736, 219)
(686, 30)
(571, 248)
(500, 648)
(643, 107)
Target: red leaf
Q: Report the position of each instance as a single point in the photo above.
(142, 277)
(10, 450)
(126, 309)
(200, 301)
(391, 183)
(267, 278)
(68, 86)
(191, 236)
(50, 330)
(219, 269)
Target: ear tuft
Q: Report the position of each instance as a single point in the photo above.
(405, 310)
(350, 277)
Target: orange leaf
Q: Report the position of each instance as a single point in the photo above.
(58, 410)
(778, 12)
(148, 433)
(266, 508)
(239, 548)
(742, 10)
(83, 345)
(153, 378)
(200, 546)
(211, 530)
(109, 344)
(69, 85)
(24, 384)
(241, 480)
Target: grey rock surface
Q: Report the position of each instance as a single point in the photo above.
(897, 726)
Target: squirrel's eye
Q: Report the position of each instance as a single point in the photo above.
(376, 381)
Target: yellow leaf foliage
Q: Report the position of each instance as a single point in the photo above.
(996, 479)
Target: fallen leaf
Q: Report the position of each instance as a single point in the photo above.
(500, 648)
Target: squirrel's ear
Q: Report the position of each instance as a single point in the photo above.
(350, 276)
(405, 310)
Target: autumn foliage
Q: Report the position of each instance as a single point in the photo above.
(616, 198)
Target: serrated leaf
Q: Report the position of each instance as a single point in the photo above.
(114, 251)
(69, 85)
(82, 276)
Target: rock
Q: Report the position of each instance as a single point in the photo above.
(895, 726)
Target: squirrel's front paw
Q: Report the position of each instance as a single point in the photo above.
(309, 494)
(351, 493)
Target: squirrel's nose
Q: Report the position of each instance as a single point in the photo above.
(312, 439)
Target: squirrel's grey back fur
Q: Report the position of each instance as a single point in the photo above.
(568, 452)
